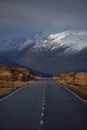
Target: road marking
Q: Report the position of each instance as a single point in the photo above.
(44, 91)
(12, 93)
(6, 97)
(42, 114)
(43, 100)
(41, 122)
(74, 94)
(43, 103)
(44, 94)
(43, 108)
(81, 99)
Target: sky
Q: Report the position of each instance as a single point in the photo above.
(26, 17)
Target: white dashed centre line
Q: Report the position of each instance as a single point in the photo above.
(43, 100)
(43, 108)
(41, 122)
(42, 114)
(43, 95)
(43, 103)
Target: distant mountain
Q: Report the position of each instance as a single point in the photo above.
(57, 53)
(5, 61)
(20, 44)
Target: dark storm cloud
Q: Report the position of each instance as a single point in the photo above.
(25, 15)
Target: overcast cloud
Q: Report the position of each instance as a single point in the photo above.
(26, 16)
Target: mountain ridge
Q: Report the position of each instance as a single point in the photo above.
(58, 53)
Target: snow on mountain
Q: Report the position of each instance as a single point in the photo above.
(36, 40)
(20, 44)
(73, 41)
(57, 53)
(10, 45)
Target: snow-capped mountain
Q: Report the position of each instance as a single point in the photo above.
(19, 44)
(74, 41)
(10, 45)
(34, 41)
(56, 53)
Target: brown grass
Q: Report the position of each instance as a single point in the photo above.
(9, 88)
(5, 91)
(14, 78)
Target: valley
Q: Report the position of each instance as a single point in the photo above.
(45, 55)
(43, 82)
(43, 64)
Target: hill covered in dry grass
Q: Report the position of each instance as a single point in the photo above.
(12, 78)
(77, 82)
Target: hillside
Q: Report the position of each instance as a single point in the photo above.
(63, 52)
(12, 78)
(77, 82)
(7, 62)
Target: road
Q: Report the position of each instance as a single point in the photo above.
(43, 105)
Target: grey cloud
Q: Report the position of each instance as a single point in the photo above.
(30, 14)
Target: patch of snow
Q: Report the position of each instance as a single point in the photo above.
(72, 40)
(10, 45)
(36, 40)
(25, 44)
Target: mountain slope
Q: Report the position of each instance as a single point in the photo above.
(7, 62)
(53, 62)
(21, 43)
(58, 53)
(74, 41)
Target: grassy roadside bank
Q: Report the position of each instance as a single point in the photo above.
(4, 91)
(76, 82)
(13, 78)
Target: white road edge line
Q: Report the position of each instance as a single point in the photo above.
(4, 98)
(81, 99)
(75, 94)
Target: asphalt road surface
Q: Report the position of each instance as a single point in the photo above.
(43, 105)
